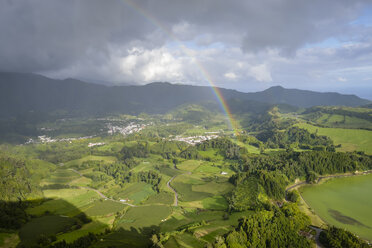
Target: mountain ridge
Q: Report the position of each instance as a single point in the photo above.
(22, 92)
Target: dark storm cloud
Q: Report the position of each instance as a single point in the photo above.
(48, 34)
(53, 35)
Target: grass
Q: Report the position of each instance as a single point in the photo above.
(9, 239)
(343, 202)
(144, 216)
(65, 201)
(250, 148)
(210, 168)
(315, 219)
(93, 227)
(197, 187)
(166, 198)
(212, 154)
(187, 194)
(81, 181)
(61, 176)
(114, 147)
(46, 225)
(215, 203)
(213, 187)
(350, 139)
(339, 121)
(104, 207)
(169, 171)
(189, 165)
(106, 159)
(124, 238)
(136, 192)
(187, 240)
(216, 224)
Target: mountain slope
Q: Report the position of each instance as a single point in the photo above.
(305, 98)
(21, 93)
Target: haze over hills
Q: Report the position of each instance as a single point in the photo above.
(21, 92)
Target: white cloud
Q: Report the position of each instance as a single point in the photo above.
(261, 73)
(342, 79)
(230, 75)
(143, 65)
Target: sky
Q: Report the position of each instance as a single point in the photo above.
(320, 45)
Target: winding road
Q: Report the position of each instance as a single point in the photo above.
(175, 192)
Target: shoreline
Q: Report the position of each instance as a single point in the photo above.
(322, 179)
(306, 207)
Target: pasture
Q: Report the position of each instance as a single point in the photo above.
(104, 207)
(166, 198)
(93, 227)
(185, 191)
(350, 139)
(189, 165)
(45, 225)
(105, 159)
(65, 201)
(343, 202)
(339, 121)
(61, 176)
(136, 192)
(144, 216)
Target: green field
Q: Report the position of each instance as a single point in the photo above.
(104, 207)
(144, 216)
(45, 225)
(105, 159)
(65, 201)
(341, 121)
(343, 202)
(136, 192)
(350, 139)
(161, 198)
(61, 176)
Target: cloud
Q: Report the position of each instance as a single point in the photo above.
(261, 73)
(241, 44)
(151, 65)
(230, 75)
(342, 79)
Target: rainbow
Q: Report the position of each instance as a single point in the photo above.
(217, 92)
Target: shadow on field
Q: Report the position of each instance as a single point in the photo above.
(129, 238)
(40, 223)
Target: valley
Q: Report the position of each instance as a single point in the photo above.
(185, 124)
(184, 178)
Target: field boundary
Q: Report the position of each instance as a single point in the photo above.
(349, 174)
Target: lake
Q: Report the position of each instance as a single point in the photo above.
(343, 202)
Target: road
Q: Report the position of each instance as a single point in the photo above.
(318, 231)
(175, 192)
(100, 193)
(106, 198)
